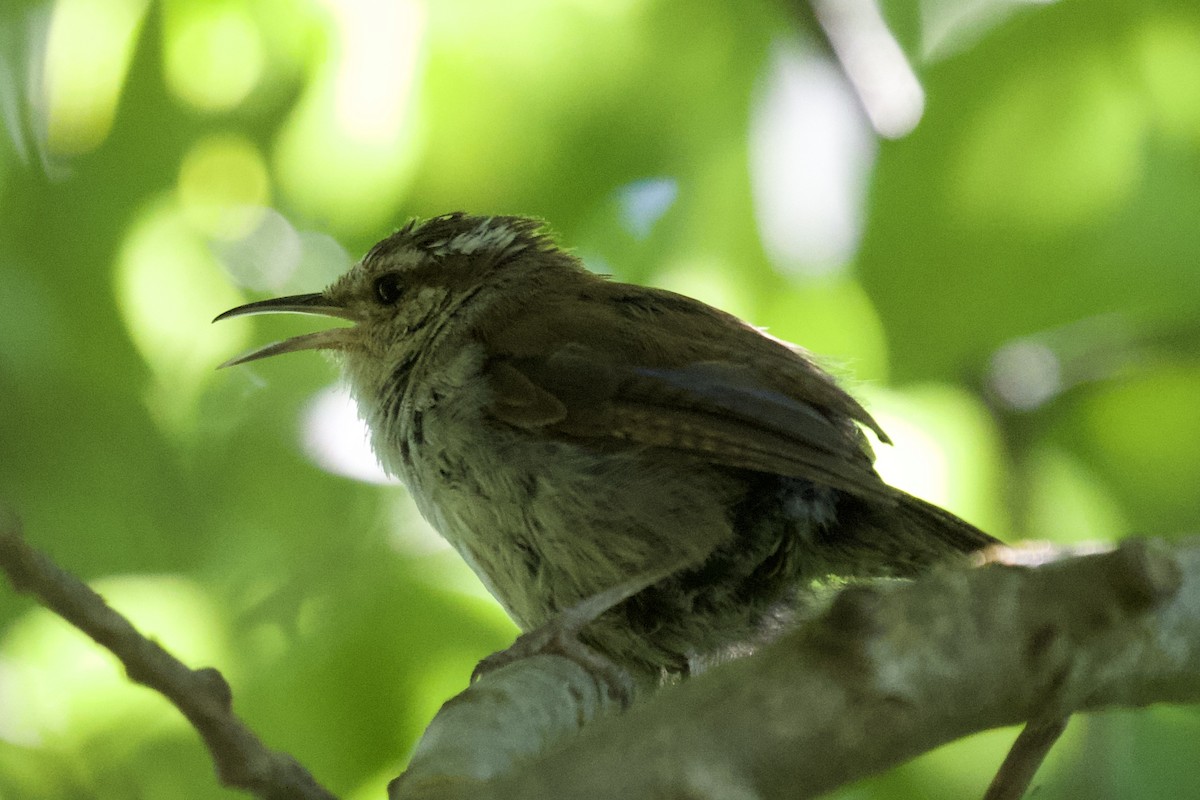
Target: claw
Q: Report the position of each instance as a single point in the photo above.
(560, 636)
(554, 639)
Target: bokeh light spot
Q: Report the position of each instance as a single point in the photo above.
(223, 186)
(213, 52)
(336, 438)
(275, 257)
(267, 257)
(168, 287)
(810, 154)
(643, 203)
(348, 150)
(87, 56)
(1168, 52)
(1025, 374)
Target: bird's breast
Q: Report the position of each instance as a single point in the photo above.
(546, 521)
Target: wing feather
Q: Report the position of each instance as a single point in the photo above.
(721, 390)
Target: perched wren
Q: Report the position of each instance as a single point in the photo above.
(569, 435)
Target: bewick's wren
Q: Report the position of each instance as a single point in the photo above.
(569, 434)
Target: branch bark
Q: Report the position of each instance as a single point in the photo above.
(885, 675)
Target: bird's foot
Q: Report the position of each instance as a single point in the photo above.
(560, 637)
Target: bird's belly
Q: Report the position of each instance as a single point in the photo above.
(547, 523)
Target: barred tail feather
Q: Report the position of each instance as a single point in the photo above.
(937, 522)
(897, 540)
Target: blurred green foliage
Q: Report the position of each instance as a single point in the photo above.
(1014, 285)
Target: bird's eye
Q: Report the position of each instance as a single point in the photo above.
(389, 288)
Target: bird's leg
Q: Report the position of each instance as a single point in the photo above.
(560, 635)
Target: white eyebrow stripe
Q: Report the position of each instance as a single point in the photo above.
(486, 236)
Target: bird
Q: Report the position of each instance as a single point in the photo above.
(663, 475)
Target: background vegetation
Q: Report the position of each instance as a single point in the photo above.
(1012, 283)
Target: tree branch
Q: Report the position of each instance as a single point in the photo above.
(886, 674)
(242, 760)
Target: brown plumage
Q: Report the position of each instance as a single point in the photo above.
(568, 434)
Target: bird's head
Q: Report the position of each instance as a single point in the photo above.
(408, 286)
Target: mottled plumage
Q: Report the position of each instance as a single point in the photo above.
(567, 433)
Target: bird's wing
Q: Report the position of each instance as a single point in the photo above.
(663, 370)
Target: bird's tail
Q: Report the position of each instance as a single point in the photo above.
(939, 524)
(903, 539)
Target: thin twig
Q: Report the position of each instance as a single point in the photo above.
(242, 760)
(1026, 755)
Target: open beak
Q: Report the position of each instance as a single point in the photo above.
(332, 339)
